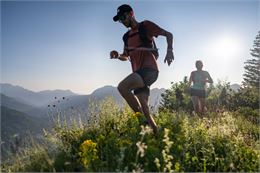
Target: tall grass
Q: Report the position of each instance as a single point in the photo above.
(113, 138)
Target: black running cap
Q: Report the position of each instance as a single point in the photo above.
(121, 10)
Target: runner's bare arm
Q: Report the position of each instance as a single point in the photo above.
(190, 80)
(124, 55)
(169, 55)
(115, 55)
(209, 79)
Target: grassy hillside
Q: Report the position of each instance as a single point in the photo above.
(15, 127)
(115, 139)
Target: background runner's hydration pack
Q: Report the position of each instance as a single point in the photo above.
(146, 43)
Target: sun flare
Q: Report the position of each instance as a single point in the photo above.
(225, 47)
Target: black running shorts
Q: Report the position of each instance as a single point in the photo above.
(149, 76)
(198, 93)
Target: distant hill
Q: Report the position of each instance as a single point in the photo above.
(107, 91)
(155, 98)
(12, 103)
(20, 94)
(81, 102)
(33, 98)
(15, 122)
(235, 87)
(101, 93)
(49, 95)
(48, 102)
(77, 102)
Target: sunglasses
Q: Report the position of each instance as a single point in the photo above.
(122, 18)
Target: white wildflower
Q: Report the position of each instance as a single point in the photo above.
(141, 148)
(145, 130)
(157, 163)
(167, 158)
(138, 169)
(168, 167)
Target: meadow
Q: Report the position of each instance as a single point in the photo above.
(113, 138)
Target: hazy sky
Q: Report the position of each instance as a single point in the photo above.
(66, 44)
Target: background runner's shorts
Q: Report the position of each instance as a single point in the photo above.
(199, 93)
(149, 76)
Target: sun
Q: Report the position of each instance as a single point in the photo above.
(223, 54)
(225, 46)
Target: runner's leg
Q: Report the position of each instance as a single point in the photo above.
(125, 88)
(195, 102)
(202, 104)
(143, 99)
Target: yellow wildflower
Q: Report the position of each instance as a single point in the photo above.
(137, 114)
(88, 152)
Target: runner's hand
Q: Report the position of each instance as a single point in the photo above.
(113, 54)
(169, 57)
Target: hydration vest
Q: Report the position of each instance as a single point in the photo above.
(146, 43)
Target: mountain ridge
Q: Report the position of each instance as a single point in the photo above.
(51, 97)
(14, 104)
(30, 97)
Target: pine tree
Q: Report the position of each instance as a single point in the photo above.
(252, 66)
